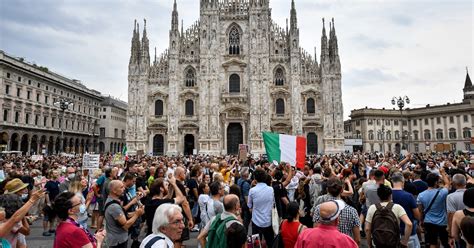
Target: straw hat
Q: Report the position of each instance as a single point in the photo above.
(14, 186)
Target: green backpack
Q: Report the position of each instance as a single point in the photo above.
(216, 237)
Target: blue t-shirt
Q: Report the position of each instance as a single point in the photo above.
(437, 214)
(407, 201)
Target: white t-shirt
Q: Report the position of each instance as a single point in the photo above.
(398, 210)
(161, 243)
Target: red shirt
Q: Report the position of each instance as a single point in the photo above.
(289, 232)
(324, 236)
(69, 235)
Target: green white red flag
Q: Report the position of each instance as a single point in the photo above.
(285, 148)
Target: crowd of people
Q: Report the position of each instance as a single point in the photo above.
(342, 200)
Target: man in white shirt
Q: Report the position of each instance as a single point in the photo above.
(168, 225)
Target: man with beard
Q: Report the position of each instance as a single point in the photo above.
(180, 176)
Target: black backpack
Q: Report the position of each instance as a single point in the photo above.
(385, 227)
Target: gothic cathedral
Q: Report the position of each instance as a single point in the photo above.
(230, 76)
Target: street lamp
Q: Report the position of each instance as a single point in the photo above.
(63, 104)
(400, 102)
(382, 133)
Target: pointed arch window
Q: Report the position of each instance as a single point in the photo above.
(234, 41)
(190, 77)
(310, 106)
(158, 107)
(279, 77)
(280, 106)
(234, 83)
(189, 108)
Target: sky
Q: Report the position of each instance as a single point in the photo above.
(417, 48)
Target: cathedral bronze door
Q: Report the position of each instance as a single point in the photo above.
(158, 145)
(311, 143)
(234, 138)
(188, 144)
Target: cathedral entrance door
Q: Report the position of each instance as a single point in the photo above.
(311, 143)
(234, 138)
(158, 145)
(188, 144)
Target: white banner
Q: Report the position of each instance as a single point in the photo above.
(90, 161)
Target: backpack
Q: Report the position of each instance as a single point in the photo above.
(385, 227)
(216, 237)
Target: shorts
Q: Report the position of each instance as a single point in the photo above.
(100, 202)
(48, 213)
(433, 232)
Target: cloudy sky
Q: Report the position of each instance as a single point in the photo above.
(418, 48)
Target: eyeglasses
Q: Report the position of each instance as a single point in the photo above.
(75, 205)
(177, 222)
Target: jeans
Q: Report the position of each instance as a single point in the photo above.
(414, 242)
(266, 232)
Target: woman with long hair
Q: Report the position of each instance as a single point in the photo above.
(291, 227)
(303, 198)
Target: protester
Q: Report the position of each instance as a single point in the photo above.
(52, 190)
(459, 216)
(325, 234)
(291, 227)
(168, 225)
(454, 201)
(180, 175)
(69, 233)
(70, 175)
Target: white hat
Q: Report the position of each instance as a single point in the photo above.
(340, 206)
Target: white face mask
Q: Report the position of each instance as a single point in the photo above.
(71, 176)
(24, 196)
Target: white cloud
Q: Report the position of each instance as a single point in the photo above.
(387, 48)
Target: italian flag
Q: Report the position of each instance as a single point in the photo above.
(124, 152)
(285, 148)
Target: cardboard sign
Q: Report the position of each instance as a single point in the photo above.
(118, 159)
(243, 152)
(90, 161)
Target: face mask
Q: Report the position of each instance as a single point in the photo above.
(82, 208)
(24, 196)
(71, 176)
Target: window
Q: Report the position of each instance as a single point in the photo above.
(7, 89)
(417, 147)
(426, 121)
(451, 119)
(104, 109)
(465, 118)
(45, 121)
(358, 135)
(234, 83)
(102, 132)
(467, 146)
(279, 77)
(189, 108)
(46, 99)
(452, 133)
(415, 135)
(28, 95)
(37, 97)
(234, 41)
(395, 122)
(39, 85)
(8, 74)
(427, 134)
(36, 120)
(158, 107)
(371, 135)
(104, 117)
(19, 79)
(379, 135)
(387, 122)
(357, 123)
(47, 87)
(18, 92)
(17, 116)
(53, 122)
(280, 106)
(5, 115)
(439, 134)
(27, 118)
(415, 122)
(310, 108)
(389, 135)
(123, 134)
(378, 122)
(466, 133)
(370, 121)
(190, 77)
(404, 122)
(397, 135)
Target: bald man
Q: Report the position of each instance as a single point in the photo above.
(326, 234)
(231, 209)
(116, 222)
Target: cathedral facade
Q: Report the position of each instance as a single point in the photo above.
(230, 76)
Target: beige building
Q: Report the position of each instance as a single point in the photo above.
(432, 128)
(230, 76)
(32, 122)
(113, 123)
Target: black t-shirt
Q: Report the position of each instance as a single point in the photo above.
(52, 187)
(280, 192)
(150, 209)
(140, 182)
(192, 184)
(410, 188)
